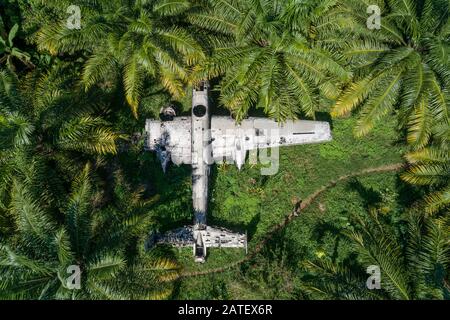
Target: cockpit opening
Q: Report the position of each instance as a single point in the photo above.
(199, 111)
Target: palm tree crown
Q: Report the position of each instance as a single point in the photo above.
(404, 66)
(134, 41)
(35, 261)
(431, 167)
(271, 54)
(413, 263)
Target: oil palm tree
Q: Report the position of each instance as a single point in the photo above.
(431, 167)
(413, 264)
(272, 54)
(34, 261)
(402, 68)
(45, 112)
(44, 116)
(134, 41)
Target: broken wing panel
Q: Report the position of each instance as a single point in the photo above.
(172, 138)
(230, 139)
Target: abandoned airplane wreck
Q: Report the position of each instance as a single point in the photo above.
(201, 140)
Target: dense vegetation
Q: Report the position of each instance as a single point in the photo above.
(76, 187)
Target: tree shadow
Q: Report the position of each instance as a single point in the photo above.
(369, 196)
(263, 180)
(249, 228)
(142, 170)
(324, 116)
(322, 228)
(214, 95)
(178, 106)
(176, 292)
(408, 194)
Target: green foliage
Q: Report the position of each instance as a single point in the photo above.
(43, 115)
(34, 260)
(401, 69)
(272, 55)
(413, 264)
(133, 41)
(8, 52)
(431, 167)
(76, 186)
(345, 147)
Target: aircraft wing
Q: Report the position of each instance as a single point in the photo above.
(230, 141)
(233, 141)
(210, 236)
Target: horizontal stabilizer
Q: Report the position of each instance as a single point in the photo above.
(211, 238)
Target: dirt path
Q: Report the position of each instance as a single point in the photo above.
(298, 208)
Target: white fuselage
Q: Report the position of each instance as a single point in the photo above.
(201, 150)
